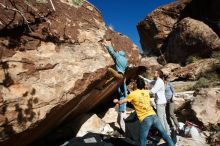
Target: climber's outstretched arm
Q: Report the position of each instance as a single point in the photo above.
(116, 101)
(111, 51)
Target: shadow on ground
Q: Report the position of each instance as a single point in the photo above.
(93, 139)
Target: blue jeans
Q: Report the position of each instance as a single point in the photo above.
(123, 94)
(146, 124)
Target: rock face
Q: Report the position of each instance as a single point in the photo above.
(110, 116)
(206, 105)
(204, 10)
(182, 141)
(181, 29)
(93, 124)
(181, 86)
(151, 64)
(192, 38)
(182, 98)
(54, 68)
(191, 71)
(169, 68)
(156, 27)
(203, 104)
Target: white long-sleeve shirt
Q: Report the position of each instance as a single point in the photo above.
(158, 89)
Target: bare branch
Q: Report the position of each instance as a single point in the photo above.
(51, 2)
(163, 56)
(16, 10)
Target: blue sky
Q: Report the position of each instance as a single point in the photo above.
(123, 15)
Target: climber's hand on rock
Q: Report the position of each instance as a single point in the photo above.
(106, 43)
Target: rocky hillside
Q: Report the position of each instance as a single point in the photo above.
(182, 29)
(53, 65)
(183, 32)
(183, 38)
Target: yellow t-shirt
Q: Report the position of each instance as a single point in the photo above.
(141, 102)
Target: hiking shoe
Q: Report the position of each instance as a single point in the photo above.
(115, 74)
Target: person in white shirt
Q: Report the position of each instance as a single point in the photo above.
(159, 90)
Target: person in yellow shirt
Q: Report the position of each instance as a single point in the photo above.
(140, 99)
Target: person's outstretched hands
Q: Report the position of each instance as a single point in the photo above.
(106, 43)
(140, 76)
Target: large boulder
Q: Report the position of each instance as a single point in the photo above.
(215, 139)
(93, 124)
(182, 98)
(193, 71)
(191, 38)
(206, 11)
(169, 68)
(53, 66)
(206, 105)
(151, 65)
(156, 27)
(110, 116)
(182, 141)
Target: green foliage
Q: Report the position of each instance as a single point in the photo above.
(215, 54)
(216, 68)
(209, 79)
(186, 88)
(213, 74)
(216, 127)
(78, 2)
(202, 83)
(192, 59)
(37, 1)
(42, 1)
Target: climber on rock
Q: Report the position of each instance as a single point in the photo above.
(120, 60)
(121, 64)
(140, 99)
